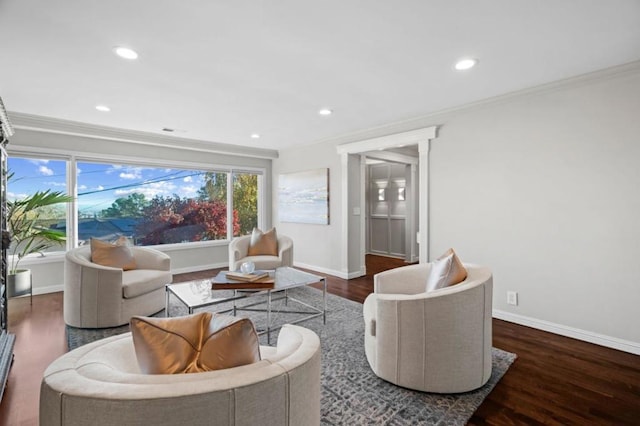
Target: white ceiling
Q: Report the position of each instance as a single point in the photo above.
(221, 70)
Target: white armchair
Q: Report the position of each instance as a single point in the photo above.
(438, 341)
(98, 296)
(239, 247)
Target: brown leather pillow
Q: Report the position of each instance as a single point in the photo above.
(263, 243)
(445, 271)
(116, 255)
(193, 343)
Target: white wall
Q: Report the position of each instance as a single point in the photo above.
(542, 187)
(316, 246)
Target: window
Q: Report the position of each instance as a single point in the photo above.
(28, 176)
(245, 202)
(149, 205)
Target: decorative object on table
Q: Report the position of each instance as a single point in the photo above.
(247, 267)
(351, 392)
(202, 288)
(303, 197)
(28, 235)
(247, 277)
(239, 281)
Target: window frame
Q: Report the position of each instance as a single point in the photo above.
(72, 189)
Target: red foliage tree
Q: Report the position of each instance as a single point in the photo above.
(169, 220)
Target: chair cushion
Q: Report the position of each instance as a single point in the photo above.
(263, 243)
(446, 270)
(116, 255)
(142, 281)
(193, 343)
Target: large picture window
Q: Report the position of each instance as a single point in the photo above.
(148, 205)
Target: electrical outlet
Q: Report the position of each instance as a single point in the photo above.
(512, 298)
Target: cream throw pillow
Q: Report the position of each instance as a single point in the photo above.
(263, 243)
(445, 271)
(193, 343)
(116, 255)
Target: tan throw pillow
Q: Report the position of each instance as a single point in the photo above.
(193, 343)
(263, 243)
(445, 271)
(117, 255)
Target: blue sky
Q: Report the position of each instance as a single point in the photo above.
(100, 184)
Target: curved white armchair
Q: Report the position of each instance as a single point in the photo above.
(438, 341)
(100, 384)
(239, 247)
(98, 296)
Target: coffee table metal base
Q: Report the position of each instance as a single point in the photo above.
(184, 293)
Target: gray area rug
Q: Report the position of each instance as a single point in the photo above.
(351, 393)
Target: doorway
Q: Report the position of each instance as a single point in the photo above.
(353, 197)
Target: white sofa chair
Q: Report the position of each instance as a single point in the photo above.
(98, 296)
(438, 341)
(100, 384)
(239, 247)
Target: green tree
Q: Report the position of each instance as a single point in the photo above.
(214, 188)
(245, 196)
(245, 201)
(131, 206)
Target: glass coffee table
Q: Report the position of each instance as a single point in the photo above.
(286, 278)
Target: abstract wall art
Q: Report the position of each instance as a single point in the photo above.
(303, 197)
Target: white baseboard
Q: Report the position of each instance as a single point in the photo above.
(576, 333)
(48, 289)
(339, 274)
(197, 268)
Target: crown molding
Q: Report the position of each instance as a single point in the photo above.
(43, 124)
(430, 119)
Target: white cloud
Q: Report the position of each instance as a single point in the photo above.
(37, 161)
(149, 190)
(188, 179)
(100, 187)
(82, 187)
(188, 191)
(44, 170)
(131, 173)
(56, 183)
(13, 196)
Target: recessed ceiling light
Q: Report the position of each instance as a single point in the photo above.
(325, 111)
(103, 108)
(465, 64)
(125, 52)
(255, 136)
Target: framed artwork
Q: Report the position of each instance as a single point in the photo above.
(303, 197)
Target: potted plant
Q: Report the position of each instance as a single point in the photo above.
(28, 235)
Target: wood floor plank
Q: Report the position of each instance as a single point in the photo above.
(554, 381)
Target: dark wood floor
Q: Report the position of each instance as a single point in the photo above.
(555, 380)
